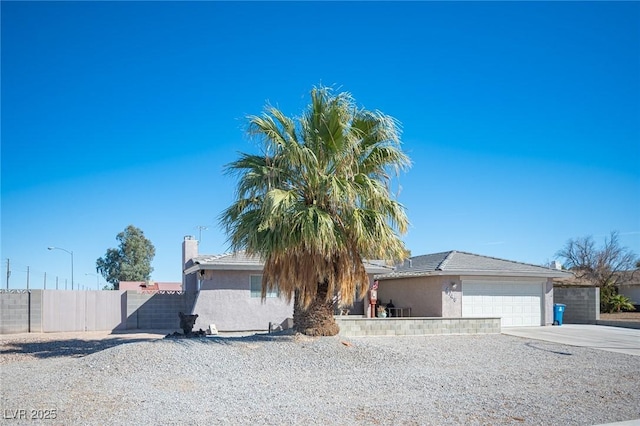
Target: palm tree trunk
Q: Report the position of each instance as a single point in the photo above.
(317, 319)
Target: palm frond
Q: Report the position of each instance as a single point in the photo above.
(319, 199)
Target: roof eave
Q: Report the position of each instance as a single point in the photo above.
(550, 274)
(377, 270)
(257, 267)
(223, 267)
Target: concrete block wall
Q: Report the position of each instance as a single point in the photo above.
(14, 311)
(582, 304)
(20, 311)
(37, 311)
(35, 314)
(72, 310)
(415, 326)
(157, 311)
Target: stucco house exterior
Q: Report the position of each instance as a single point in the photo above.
(456, 284)
(631, 288)
(452, 284)
(228, 289)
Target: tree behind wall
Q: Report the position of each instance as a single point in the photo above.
(606, 267)
(131, 261)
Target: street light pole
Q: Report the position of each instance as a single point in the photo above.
(71, 253)
(97, 280)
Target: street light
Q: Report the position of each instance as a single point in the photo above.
(71, 253)
(97, 280)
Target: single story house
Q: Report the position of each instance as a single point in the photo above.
(229, 287)
(451, 284)
(457, 284)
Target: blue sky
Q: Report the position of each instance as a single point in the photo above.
(522, 119)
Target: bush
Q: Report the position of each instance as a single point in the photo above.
(618, 303)
(606, 293)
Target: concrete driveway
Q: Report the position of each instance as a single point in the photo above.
(613, 339)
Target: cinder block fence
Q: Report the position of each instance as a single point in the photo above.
(582, 304)
(38, 311)
(20, 311)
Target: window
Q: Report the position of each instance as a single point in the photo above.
(256, 287)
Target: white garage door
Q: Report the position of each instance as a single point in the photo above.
(518, 304)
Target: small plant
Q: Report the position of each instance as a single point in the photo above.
(620, 302)
(382, 312)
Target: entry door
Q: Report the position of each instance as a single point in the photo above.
(517, 304)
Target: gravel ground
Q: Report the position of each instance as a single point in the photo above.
(296, 380)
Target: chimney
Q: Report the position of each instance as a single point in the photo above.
(556, 265)
(189, 251)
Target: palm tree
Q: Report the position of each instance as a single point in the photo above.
(318, 200)
(620, 302)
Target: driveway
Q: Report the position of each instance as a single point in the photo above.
(612, 339)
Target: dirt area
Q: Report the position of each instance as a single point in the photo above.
(622, 316)
(31, 346)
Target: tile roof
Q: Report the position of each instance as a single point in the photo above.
(628, 278)
(241, 261)
(237, 258)
(462, 263)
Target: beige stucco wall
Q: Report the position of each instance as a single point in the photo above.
(435, 296)
(424, 295)
(225, 300)
(547, 315)
(451, 290)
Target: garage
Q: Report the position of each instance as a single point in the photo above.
(517, 303)
(457, 284)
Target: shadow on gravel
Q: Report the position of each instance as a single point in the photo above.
(227, 340)
(539, 346)
(65, 348)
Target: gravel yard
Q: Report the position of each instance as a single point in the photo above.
(292, 379)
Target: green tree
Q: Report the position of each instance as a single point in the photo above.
(131, 261)
(607, 266)
(318, 200)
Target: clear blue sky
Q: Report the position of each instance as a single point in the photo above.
(522, 119)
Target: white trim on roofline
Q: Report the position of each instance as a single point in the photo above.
(550, 274)
(223, 267)
(370, 268)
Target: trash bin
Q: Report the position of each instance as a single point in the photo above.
(558, 311)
